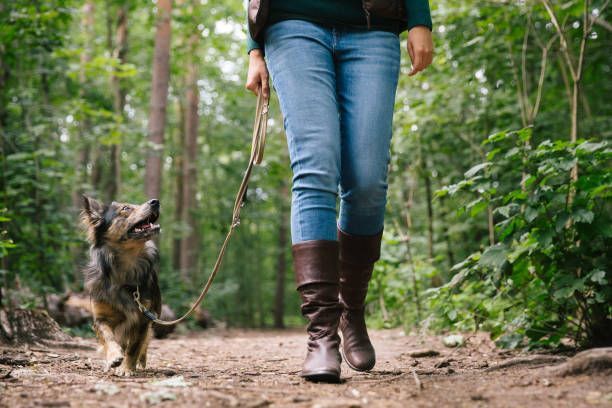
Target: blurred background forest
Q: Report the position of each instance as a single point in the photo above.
(498, 216)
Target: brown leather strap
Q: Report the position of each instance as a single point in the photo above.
(257, 150)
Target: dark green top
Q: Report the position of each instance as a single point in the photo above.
(349, 13)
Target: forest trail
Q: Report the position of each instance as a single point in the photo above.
(255, 368)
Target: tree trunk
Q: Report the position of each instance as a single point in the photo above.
(178, 192)
(281, 260)
(408, 196)
(83, 151)
(82, 157)
(120, 53)
(575, 66)
(429, 198)
(447, 237)
(159, 98)
(189, 243)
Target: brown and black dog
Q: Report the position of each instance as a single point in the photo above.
(122, 257)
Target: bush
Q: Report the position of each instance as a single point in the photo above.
(548, 278)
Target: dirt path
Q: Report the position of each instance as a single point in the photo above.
(238, 368)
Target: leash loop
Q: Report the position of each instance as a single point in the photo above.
(257, 151)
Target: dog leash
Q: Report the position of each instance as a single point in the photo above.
(257, 150)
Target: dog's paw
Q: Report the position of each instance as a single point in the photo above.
(124, 371)
(142, 364)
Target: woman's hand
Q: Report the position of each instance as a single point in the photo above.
(420, 48)
(257, 76)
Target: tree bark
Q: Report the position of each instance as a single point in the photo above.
(159, 98)
(82, 158)
(178, 192)
(83, 151)
(447, 237)
(408, 196)
(189, 243)
(576, 70)
(120, 52)
(429, 199)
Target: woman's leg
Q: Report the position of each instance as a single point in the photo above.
(367, 74)
(300, 60)
(301, 63)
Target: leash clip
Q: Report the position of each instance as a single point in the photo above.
(136, 295)
(146, 312)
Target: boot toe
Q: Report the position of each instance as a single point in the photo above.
(360, 360)
(322, 365)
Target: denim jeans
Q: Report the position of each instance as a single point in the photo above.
(336, 88)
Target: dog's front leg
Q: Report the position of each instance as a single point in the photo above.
(137, 337)
(112, 349)
(142, 353)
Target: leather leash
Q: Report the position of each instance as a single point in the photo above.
(257, 151)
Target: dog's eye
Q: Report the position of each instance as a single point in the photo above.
(126, 208)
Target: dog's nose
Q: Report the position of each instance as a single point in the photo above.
(154, 203)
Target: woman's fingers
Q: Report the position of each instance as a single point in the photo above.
(417, 63)
(265, 85)
(410, 50)
(420, 48)
(257, 75)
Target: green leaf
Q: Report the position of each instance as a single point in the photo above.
(525, 134)
(510, 340)
(583, 215)
(457, 279)
(599, 277)
(478, 207)
(494, 256)
(563, 293)
(474, 170)
(591, 147)
(508, 210)
(531, 214)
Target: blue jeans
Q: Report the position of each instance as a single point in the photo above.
(336, 88)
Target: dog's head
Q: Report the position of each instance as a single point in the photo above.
(119, 223)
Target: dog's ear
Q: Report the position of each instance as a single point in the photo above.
(93, 211)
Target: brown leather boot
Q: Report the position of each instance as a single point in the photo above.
(357, 257)
(316, 273)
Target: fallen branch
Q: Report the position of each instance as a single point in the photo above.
(589, 361)
(382, 380)
(538, 359)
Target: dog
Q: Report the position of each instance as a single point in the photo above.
(122, 258)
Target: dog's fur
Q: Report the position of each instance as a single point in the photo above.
(122, 256)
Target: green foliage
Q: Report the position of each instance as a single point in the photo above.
(549, 276)
(6, 242)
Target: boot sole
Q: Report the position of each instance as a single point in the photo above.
(323, 376)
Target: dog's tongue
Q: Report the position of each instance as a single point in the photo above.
(146, 226)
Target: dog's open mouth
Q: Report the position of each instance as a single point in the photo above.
(145, 228)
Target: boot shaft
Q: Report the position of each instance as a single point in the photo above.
(317, 278)
(315, 262)
(357, 255)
